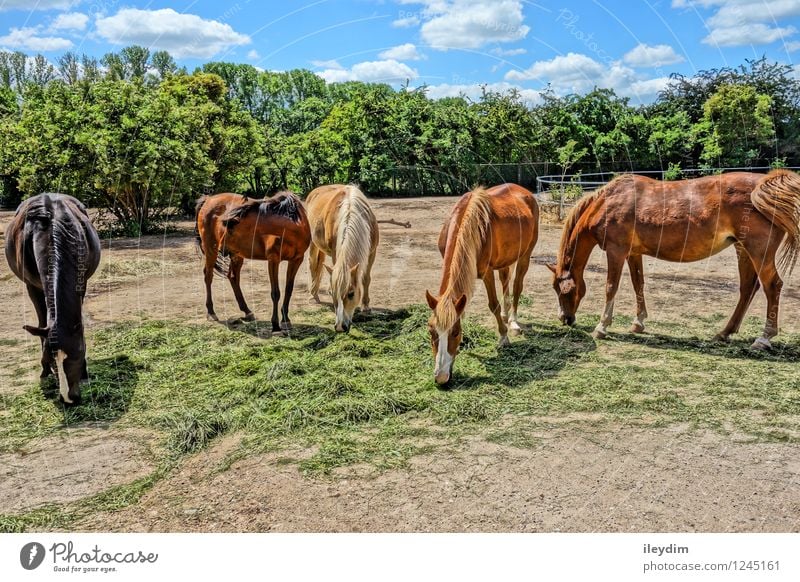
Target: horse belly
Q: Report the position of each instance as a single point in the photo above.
(683, 245)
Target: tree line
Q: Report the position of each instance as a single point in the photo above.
(138, 136)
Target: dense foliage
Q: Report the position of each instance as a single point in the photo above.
(137, 136)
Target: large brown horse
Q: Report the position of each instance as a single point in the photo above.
(487, 231)
(237, 228)
(344, 227)
(52, 246)
(683, 221)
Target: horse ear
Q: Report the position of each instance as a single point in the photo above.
(330, 269)
(37, 331)
(461, 304)
(552, 267)
(432, 301)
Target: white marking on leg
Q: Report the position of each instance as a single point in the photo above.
(63, 385)
(605, 321)
(444, 360)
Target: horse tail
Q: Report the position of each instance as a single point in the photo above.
(222, 264)
(777, 197)
(198, 206)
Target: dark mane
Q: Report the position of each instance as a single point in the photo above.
(284, 204)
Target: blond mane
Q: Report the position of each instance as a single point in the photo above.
(353, 239)
(462, 271)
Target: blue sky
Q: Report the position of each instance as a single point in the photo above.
(453, 46)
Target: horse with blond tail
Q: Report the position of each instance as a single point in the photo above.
(344, 227)
(487, 231)
(683, 221)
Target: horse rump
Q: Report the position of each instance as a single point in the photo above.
(777, 197)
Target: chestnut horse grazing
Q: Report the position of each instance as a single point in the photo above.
(344, 227)
(52, 246)
(488, 231)
(273, 229)
(683, 221)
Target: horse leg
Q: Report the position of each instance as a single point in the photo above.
(494, 307)
(233, 276)
(365, 282)
(762, 253)
(748, 286)
(505, 280)
(291, 273)
(208, 275)
(519, 280)
(316, 260)
(637, 278)
(275, 292)
(37, 297)
(615, 261)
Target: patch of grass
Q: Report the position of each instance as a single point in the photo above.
(121, 269)
(368, 397)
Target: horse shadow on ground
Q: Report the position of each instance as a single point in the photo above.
(262, 329)
(737, 349)
(539, 353)
(105, 397)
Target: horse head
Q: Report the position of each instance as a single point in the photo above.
(346, 290)
(570, 289)
(444, 327)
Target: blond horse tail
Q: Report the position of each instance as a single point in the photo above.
(777, 197)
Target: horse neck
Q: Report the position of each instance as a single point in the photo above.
(464, 243)
(352, 239)
(577, 239)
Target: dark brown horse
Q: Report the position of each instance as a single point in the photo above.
(52, 246)
(237, 228)
(487, 231)
(683, 221)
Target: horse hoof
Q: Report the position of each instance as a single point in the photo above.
(762, 344)
(366, 310)
(212, 317)
(249, 316)
(279, 333)
(723, 339)
(316, 298)
(504, 341)
(599, 334)
(286, 326)
(637, 328)
(514, 329)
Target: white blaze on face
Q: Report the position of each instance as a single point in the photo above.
(339, 314)
(444, 360)
(63, 385)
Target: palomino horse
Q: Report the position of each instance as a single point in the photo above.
(52, 246)
(683, 221)
(344, 227)
(273, 229)
(488, 231)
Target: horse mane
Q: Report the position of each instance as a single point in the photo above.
(777, 196)
(577, 212)
(463, 267)
(352, 238)
(285, 204)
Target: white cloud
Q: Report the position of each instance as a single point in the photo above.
(39, 5)
(745, 22)
(406, 22)
(386, 71)
(561, 70)
(508, 53)
(747, 34)
(28, 39)
(793, 46)
(652, 56)
(474, 91)
(404, 52)
(470, 24)
(183, 35)
(253, 55)
(70, 21)
(332, 64)
(578, 73)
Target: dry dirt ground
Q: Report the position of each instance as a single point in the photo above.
(582, 474)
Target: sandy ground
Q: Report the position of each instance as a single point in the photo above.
(579, 477)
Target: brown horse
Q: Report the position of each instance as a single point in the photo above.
(52, 246)
(344, 227)
(487, 231)
(683, 221)
(273, 229)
